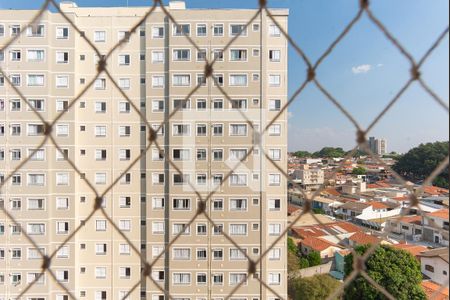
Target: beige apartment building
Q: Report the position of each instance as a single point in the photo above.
(50, 63)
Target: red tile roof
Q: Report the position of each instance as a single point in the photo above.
(383, 184)
(403, 198)
(415, 250)
(430, 288)
(411, 219)
(331, 191)
(292, 209)
(378, 205)
(361, 238)
(317, 244)
(337, 228)
(441, 214)
(434, 190)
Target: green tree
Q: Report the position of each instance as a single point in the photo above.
(303, 154)
(318, 211)
(421, 161)
(292, 247)
(314, 259)
(293, 262)
(304, 263)
(318, 287)
(359, 171)
(395, 270)
(330, 152)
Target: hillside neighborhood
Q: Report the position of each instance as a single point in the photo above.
(357, 203)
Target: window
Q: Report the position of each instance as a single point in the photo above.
(238, 229)
(202, 30)
(239, 104)
(275, 154)
(274, 279)
(275, 55)
(429, 268)
(238, 154)
(217, 179)
(181, 228)
(218, 54)
(100, 131)
(181, 130)
(35, 55)
(238, 204)
(37, 104)
(217, 254)
(36, 229)
(274, 229)
(15, 55)
(16, 154)
(182, 104)
(217, 279)
(124, 107)
(274, 254)
(218, 29)
(62, 81)
(238, 80)
(256, 27)
(201, 254)
(181, 278)
(15, 129)
(36, 179)
(62, 203)
(16, 278)
(158, 203)
(100, 249)
(158, 228)
(124, 249)
(181, 80)
(181, 55)
(181, 154)
(201, 55)
(158, 32)
(62, 178)
(217, 154)
(238, 129)
(274, 204)
(125, 225)
(62, 33)
(274, 30)
(16, 79)
(201, 80)
(36, 204)
(124, 131)
(218, 80)
(158, 81)
(218, 129)
(158, 275)
(124, 59)
(275, 130)
(237, 278)
(238, 29)
(100, 225)
(125, 83)
(2, 30)
(238, 55)
(274, 105)
(62, 57)
(33, 253)
(16, 179)
(62, 130)
(237, 254)
(35, 30)
(202, 130)
(181, 29)
(158, 178)
(62, 227)
(62, 105)
(275, 80)
(124, 154)
(100, 84)
(274, 179)
(35, 129)
(99, 36)
(157, 57)
(100, 272)
(181, 204)
(181, 253)
(100, 295)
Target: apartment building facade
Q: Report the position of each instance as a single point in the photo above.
(205, 136)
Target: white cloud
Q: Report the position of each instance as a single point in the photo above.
(362, 69)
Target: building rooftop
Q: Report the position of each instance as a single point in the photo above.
(356, 206)
(332, 229)
(415, 250)
(431, 288)
(441, 214)
(317, 244)
(361, 238)
(441, 252)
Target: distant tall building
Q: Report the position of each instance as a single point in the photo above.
(378, 146)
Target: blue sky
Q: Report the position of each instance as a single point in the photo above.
(364, 72)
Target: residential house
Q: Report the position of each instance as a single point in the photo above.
(414, 250)
(324, 247)
(361, 239)
(435, 291)
(434, 265)
(332, 232)
(436, 227)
